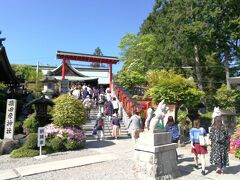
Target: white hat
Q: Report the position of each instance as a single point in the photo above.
(216, 112)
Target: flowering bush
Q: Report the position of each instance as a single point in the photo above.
(60, 139)
(235, 141)
(69, 133)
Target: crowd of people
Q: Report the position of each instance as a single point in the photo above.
(219, 140)
(108, 109)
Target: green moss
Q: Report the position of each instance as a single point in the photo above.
(24, 152)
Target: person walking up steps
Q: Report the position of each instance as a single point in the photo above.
(99, 126)
(115, 106)
(115, 126)
(101, 102)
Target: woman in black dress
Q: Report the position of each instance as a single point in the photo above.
(219, 145)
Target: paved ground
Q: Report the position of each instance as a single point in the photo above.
(111, 159)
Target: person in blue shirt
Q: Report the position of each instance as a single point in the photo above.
(195, 131)
(173, 129)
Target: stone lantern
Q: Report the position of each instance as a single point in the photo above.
(41, 106)
(49, 85)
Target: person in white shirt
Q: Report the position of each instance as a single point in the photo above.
(76, 93)
(115, 106)
(87, 102)
(108, 96)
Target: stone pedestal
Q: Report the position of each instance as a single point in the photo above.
(155, 156)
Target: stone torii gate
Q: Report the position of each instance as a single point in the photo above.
(65, 56)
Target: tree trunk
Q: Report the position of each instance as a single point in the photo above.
(226, 66)
(198, 68)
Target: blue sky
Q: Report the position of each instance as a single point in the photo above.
(35, 30)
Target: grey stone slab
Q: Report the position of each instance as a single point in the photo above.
(7, 174)
(64, 164)
(156, 149)
(154, 139)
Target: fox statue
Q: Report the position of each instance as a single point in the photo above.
(153, 118)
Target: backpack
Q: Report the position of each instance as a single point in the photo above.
(100, 122)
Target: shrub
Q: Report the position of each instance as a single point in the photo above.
(30, 124)
(18, 127)
(173, 88)
(227, 98)
(184, 120)
(60, 139)
(24, 152)
(73, 145)
(32, 141)
(235, 141)
(68, 111)
(69, 133)
(57, 144)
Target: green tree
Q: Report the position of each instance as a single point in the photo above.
(27, 71)
(173, 88)
(97, 52)
(227, 98)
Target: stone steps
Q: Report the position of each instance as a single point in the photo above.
(88, 126)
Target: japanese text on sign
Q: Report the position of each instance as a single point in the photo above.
(41, 136)
(10, 118)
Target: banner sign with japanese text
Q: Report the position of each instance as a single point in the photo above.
(10, 118)
(41, 136)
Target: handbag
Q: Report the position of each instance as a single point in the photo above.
(204, 140)
(94, 132)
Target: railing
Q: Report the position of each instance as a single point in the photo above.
(138, 90)
(129, 104)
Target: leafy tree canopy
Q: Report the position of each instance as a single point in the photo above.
(227, 98)
(27, 71)
(173, 88)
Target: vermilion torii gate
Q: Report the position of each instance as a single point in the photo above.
(65, 56)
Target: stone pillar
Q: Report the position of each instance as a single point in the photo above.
(155, 156)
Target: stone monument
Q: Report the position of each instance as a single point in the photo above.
(155, 155)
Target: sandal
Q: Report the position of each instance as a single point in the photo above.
(222, 172)
(218, 170)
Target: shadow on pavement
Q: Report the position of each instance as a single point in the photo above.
(229, 170)
(98, 144)
(186, 170)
